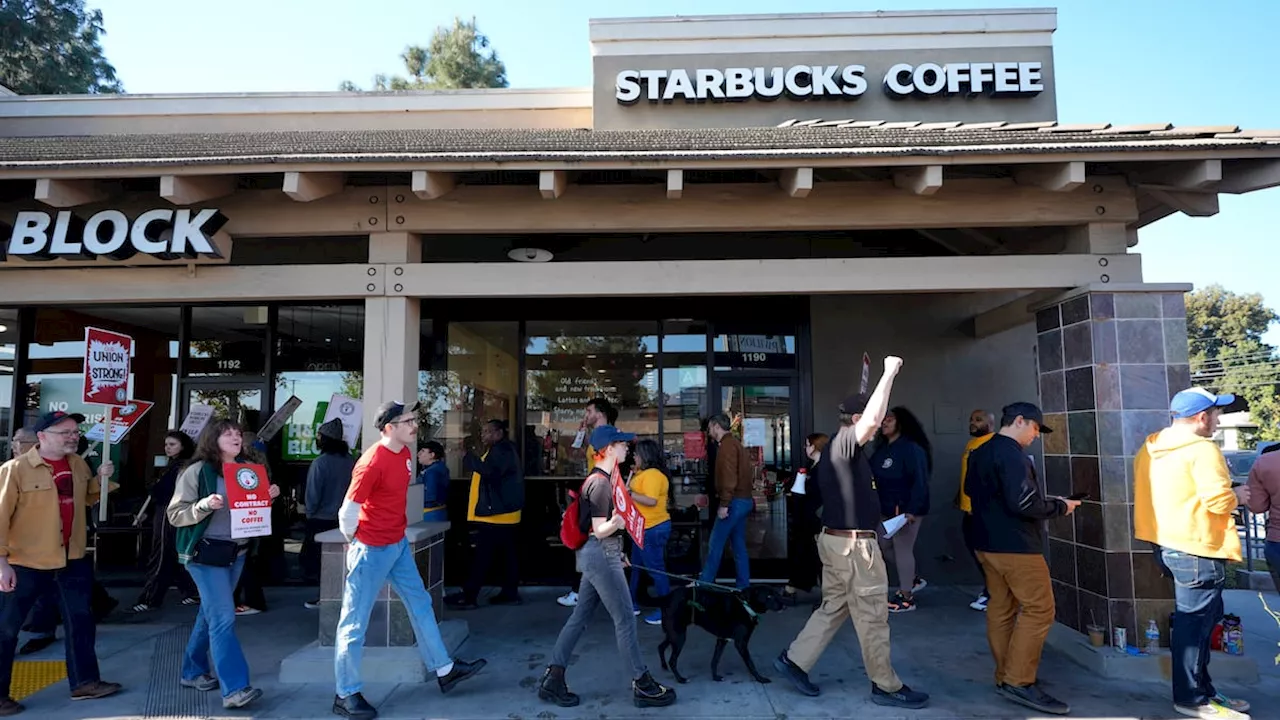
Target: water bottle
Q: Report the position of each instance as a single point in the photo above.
(1153, 637)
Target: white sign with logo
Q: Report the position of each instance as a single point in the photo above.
(350, 412)
(198, 416)
(755, 432)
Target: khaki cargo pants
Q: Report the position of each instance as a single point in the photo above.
(855, 585)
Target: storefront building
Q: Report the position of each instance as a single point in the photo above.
(734, 213)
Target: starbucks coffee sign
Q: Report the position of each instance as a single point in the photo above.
(847, 82)
(160, 234)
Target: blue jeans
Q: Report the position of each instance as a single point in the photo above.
(369, 568)
(71, 587)
(215, 630)
(1272, 554)
(732, 529)
(653, 556)
(603, 583)
(1197, 587)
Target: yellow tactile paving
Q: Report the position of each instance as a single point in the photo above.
(32, 676)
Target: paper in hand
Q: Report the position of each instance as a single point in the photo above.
(577, 439)
(894, 524)
(797, 487)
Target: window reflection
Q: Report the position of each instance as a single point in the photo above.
(8, 358)
(570, 363)
(319, 354)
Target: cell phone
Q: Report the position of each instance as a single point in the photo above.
(1079, 496)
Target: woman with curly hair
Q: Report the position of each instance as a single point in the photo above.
(901, 464)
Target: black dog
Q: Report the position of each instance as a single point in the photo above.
(720, 612)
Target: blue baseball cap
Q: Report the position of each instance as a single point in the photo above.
(606, 435)
(50, 419)
(1192, 402)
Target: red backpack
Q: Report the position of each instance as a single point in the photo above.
(572, 533)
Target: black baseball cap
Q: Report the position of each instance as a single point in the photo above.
(389, 411)
(1028, 411)
(855, 404)
(50, 419)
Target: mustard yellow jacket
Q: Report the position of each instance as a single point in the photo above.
(30, 523)
(1182, 497)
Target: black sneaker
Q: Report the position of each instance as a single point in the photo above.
(1033, 697)
(36, 644)
(647, 692)
(461, 671)
(501, 599)
(905, 697)
(554, 689)
(9, 706)
(798, 677)
(460, 601)
(354, 706)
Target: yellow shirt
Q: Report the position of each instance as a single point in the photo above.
(511, 518)
(652, 483)
(591, 458)
(962, 500)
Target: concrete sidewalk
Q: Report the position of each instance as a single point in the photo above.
(940, 649)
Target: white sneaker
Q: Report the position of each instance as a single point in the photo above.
(981, 603)
(569, 599)
(919, 585)
(1211, 711)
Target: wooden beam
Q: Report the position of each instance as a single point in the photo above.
(192, 189)
(796, 182)
(924, 180)
(1250, 175)
(69, 193)
(551, 183)
(1101, 238)
(309, 187)
(1009, 315)
(1195, 175)
(1194, 204)
(776, 277)
(675, 184)
(430, 185)
(1055, 177)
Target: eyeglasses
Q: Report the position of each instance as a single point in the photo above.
(64, 433)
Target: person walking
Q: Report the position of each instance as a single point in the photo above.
(373, 519)
(215, 560)
(603, 581)
(1008, 513)
(494, 508)
(734, 488)
(599, 412)
(650, 489)
(1183, 503)
(44, 496)
(328, 478)
(901, 465)
(982, 425)
(854, 577)
(163, 568)
(434, 476)
(804, 500)
(250, 596)
(1264, 497)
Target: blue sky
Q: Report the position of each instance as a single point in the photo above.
(1120, 61)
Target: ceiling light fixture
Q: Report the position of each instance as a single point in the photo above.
(530, 255)
(4, 328)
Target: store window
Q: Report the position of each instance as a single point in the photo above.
(55, 382)
(684, 386)
(8, 363)
(568, 364)
(473, 376)
(228, 340)
(319, 353)
(740, 351)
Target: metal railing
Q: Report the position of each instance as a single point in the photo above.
(1253, 536)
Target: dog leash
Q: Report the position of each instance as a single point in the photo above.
(695, 582)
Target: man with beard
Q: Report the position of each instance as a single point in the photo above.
(982, 426)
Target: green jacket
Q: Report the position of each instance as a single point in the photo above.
(189, 510)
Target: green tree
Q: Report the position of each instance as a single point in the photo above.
(51, 47)
(1228, 354)
(456, 58)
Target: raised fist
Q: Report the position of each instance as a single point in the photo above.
(892, 364)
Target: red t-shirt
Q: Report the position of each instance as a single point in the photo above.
(380, 484)
(66, 497)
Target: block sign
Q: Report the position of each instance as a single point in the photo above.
(122, 421)
(626, 507)
(249, 499)
(106, 367)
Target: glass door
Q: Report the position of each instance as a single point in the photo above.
(761, 409)
(239, 400)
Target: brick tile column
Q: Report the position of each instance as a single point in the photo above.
(1108, 364)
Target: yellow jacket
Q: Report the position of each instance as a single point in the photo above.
(1182, 497)
(30, 523)
(962, 498)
